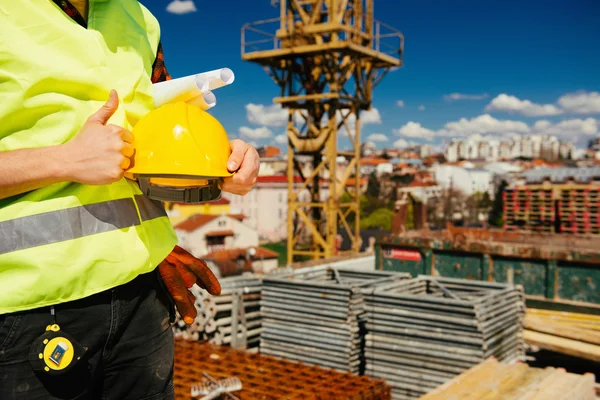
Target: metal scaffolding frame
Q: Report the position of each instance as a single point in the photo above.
(326, 56)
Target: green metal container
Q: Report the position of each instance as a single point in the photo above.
(549, 267)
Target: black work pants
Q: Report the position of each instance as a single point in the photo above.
(129, 339)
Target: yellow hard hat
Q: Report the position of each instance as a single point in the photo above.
(181, 154)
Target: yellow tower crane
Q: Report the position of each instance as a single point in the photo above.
(326, 56)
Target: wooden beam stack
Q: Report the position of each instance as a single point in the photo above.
(493, 380)
(574, 334)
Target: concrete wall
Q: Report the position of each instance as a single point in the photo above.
(195, 242)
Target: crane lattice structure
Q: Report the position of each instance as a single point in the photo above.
(326, 56)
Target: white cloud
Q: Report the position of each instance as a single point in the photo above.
(401, 144)
(421, 107)
(369, 117)
(581, 102)
(257, 133)
(463, 96)
(281, 139)
(512, 104)
(378, 137)
(271, 116)
(181, 7)
(484, 124)
(574, 130)
(415, 130)
(568, 129)
(400, 103)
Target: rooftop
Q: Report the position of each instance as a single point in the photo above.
(196, 221)
(560, 175)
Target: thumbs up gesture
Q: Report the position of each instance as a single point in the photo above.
(100, 152)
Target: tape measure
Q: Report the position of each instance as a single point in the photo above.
(55, 352)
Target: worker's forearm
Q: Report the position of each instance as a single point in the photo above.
(29, 169)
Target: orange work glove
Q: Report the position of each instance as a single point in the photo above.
(179, 271)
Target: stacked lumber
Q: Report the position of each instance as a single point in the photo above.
(236, 309)
(564, 332)
(425, 331)
(494, 380)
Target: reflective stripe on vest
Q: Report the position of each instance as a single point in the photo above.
(67, 241)
(73, 223)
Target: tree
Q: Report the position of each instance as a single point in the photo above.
(485, 202)
(373, 186)
(496, 217)
(378, 219)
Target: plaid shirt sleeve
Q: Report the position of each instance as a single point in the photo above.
(159, 70)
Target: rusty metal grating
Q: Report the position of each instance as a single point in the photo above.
(268, 378)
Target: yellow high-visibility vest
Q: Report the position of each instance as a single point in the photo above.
(67, 241)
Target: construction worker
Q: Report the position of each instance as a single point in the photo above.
(80, 245)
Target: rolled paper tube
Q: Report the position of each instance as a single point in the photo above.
(180, 89)
(204, 101)
(218, 78)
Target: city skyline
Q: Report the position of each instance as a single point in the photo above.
(490, 69)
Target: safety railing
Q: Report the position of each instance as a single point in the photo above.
(260, 36)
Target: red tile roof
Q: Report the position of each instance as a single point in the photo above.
(352, 181)
(234, 254)
(373, 161)
(276, 179)
(228, 232)
(422, 184)
(196, 221)
(268, 151)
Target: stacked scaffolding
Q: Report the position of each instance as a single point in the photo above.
(317, 316)
(425, 331)
(237, 308)
(579, 210)
(529, 208)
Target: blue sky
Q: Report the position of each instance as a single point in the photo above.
(514, 67)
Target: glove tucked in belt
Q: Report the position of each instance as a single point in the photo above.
(179, 271)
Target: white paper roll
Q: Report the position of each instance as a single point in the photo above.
(218, 78)
(180, 89)
(205, 101)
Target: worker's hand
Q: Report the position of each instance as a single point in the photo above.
(245, 162)
(179, 271)
(100, 152)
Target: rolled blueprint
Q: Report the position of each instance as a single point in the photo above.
(218, 78)
(180, 89)
(204, 101)
(192, 87)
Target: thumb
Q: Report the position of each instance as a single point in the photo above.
(107, 110)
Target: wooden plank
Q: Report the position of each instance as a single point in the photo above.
(562, 345)
(545, 325)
